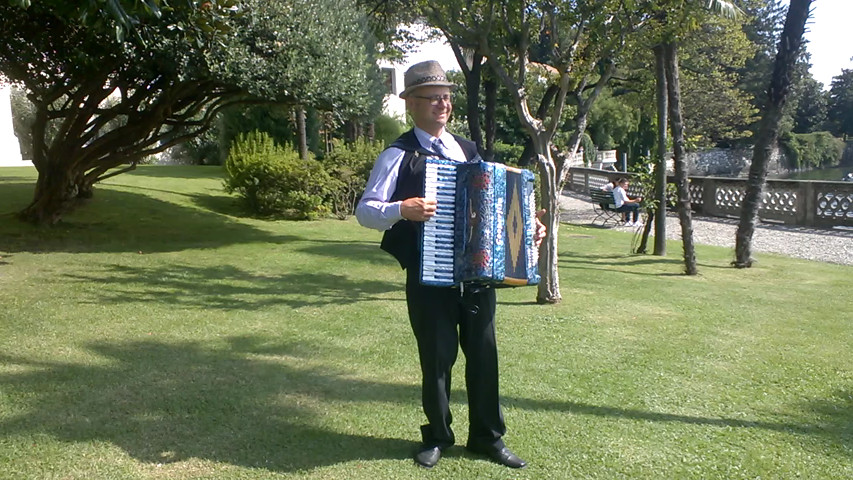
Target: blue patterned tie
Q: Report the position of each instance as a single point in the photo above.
(438, 148)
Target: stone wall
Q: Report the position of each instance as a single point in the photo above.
(729, 162)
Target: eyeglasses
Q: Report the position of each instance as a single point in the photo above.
(435, 99)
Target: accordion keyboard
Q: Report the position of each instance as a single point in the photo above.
(437, 247)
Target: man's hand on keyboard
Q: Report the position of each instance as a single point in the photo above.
(418, 209)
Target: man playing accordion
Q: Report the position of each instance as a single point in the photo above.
(442, 318)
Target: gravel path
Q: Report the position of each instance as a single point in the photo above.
(822, 245)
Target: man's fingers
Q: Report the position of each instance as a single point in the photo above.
(418, 208)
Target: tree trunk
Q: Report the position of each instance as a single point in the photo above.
(644, 238)
(472, 108)
(681, 181)
(768, 132)
(58, 191)
(302, 134)
(549, 286)
(490, 123)
(660, 164)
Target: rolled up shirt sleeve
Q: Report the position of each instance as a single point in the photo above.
(375, 210)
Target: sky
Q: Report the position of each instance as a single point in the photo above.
(830, 36)
(829, 33)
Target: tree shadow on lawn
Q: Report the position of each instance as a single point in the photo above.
(250, 403)
(224, 287)
(619, 263)
(117, 221)
(351, 249)
(837, 431)
(178, 171)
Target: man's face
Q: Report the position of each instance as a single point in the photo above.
(430, 118)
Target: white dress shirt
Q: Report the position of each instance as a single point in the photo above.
(374, 210)
(619, 196)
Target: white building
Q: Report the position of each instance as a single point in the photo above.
(10, 149)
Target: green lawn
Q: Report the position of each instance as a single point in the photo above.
(158, 334)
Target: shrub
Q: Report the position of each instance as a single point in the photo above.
(508, 153)
(275, 181)
(349, 167)
(387, 129)
(812, 150)
(203, 149)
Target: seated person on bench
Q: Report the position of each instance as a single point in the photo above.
(608, 187)
(626, 204)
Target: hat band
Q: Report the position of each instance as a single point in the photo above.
(430, 78)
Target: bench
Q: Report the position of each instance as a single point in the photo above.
(604, 207)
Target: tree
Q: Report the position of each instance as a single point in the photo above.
(673, 19)
(790, 48)
(762, 23)
(105, 99)
(717, 112)
(569, 46)
(840, 112)
(811, 105)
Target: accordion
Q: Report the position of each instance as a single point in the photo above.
(484, 225)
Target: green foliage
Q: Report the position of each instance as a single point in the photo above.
(203, 149)
(716, 111)
(588, 149)
(349, 167)
(611, 122)
(810, 104)
(274, 180)
(812, 150)
(183, 64)
(387, 129)
(840, 114)
(508, 153)
(643, 180)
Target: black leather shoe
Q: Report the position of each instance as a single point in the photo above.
(427, 457)
(503, 457)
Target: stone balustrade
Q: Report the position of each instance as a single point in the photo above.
(809, 203)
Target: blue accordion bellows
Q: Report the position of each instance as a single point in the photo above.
(484, 227)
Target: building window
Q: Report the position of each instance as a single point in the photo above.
(388, 80)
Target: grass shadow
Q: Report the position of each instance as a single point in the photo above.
(249, 403)
(350, 249)
(580, 261)
(224, 287)
(838, 431)
(178, 171)
(103, 226)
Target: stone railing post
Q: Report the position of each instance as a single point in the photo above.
(709, 196)
(806, 205)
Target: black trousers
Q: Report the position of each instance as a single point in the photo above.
(442, 321)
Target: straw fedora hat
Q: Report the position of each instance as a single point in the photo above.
(424, 74)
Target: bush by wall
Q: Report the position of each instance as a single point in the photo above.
(812, 150)
(274, 180)
(349, 167)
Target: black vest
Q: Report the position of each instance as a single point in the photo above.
(402, 240)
